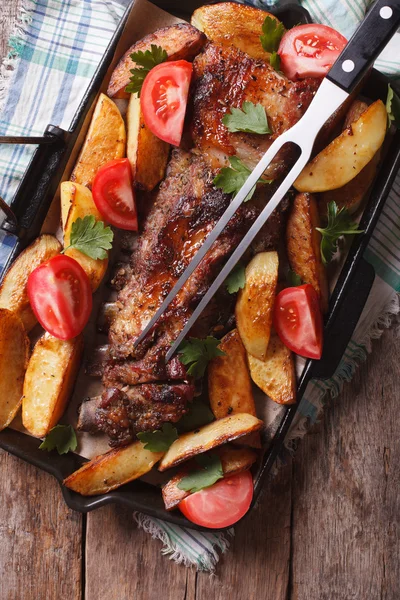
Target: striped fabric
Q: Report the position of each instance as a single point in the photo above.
(53, 54)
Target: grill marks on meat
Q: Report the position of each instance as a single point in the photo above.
(225, 77)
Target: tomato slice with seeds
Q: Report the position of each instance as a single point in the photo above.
(61, 297)
(298, 320)
(114, 196)
(221, 504)
(163, 99)
(309, 50)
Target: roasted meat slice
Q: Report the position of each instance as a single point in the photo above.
(225, 77)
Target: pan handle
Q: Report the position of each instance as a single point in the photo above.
(339, 331)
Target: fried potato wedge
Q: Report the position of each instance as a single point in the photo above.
(180, 41)
(77, 202)
(357, 108)
(255, 303)
(233, 460)
(147, 154)
(49, 381)
(347, 154)
(104, 141)
(111, 470)
(13, 292)
(232, 24)
(208, 437)
(14, 356)
(303, 246)
(276, 374)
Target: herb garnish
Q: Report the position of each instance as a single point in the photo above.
(210, 472)
(393, 107)
(197, 353)
(230, 179)
(275, 61)
(251, 118)
(339, 223)
(90, 237)
(62, 438)
(159, 440)
(145, 61)
(236, 279)
(293, 279)
(199, 414)
(272, 33)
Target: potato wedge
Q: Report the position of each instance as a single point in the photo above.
(209, 436)
(255, 303)
(111, 470)
(233, 460)
(303, 246)
(357, 108)
(104, 141)
(180, 41)
(77, 202)
(347, 155)
(13, 292)
(147, 154)
(232, 24)
(276, 374)
(49, 381)
(14, 356)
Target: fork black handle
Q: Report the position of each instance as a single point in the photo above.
(375, 31)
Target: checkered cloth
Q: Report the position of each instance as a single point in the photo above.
(53, 54)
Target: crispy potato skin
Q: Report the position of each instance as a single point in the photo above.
(181, 42)
(14, 355)
(232, 24)
(209, 436)
(276, 374)
(104, 141)
(347, 154)
(111, 470)
(303, 246)
(77, 202)
(49, 381)
(13, 292)
(255, 303)
(357, 108)
(147, 154)
(233, 460)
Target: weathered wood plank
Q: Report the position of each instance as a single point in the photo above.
(40, 538)
(346, 504)
(8, 16)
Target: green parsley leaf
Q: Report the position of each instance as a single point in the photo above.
(145, 61)
(251, 118)
(199, 414)
(236, 279)
(339, 223)
(393, 107)
(293, 279)
(62, 438)
(230, 179)
(209, 473)
(197, 353)
(159, 440)
(90, 237)
(273, 31)
(275, 61)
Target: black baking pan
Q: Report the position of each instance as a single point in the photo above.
(346, 303)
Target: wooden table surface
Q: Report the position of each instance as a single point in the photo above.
(327, 528)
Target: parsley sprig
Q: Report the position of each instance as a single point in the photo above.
(91, 237)
(393, 107)
(293, 279)
(272, 33)
(275, 61)
(199, 414)
(196, 354)
(236, 279)
(339, 224)
(160, 439)
(230, 179)
(61, 438)
(251, 118)
(145, 61)
(210, 472)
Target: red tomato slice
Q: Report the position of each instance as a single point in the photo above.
(163, 99)
(309, 50)
(298, 320)
(61, 297)
(114, 196)
(221, 504)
